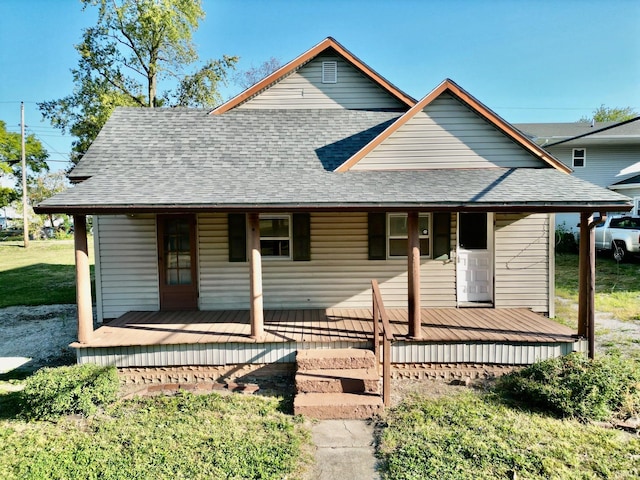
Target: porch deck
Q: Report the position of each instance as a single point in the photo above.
(473, 335)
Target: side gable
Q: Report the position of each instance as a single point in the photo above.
(450, 129)
(299, 84)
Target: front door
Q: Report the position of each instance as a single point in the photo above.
(177, 262)
(475, 258)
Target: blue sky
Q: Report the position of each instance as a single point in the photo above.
(528, 60)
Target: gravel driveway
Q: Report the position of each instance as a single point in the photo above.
(31, 337)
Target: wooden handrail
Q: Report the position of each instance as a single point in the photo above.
(380, 316)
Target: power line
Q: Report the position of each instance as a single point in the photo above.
(46, 143)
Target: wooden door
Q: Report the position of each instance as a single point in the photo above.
(475, 258)
(177, 262)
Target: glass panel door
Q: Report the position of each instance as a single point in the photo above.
(177, 266)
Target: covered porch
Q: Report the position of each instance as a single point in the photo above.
(448, 335)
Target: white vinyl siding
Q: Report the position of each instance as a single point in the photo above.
(447, 134)
(606, 165)
(126, 252)
(304, 88)
(522, 261)
(338, 275)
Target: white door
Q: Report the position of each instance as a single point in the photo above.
(475, 258)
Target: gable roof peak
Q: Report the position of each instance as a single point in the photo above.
(303, 59)
(451, 87)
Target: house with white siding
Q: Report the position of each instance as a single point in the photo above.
(603, 153)
(242, 235)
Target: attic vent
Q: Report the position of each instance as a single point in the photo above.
(329, 72)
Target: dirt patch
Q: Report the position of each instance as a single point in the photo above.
(614, 334)
(33, 337)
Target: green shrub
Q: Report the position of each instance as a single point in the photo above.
(565, 240)
(575, 386)
(76, 389)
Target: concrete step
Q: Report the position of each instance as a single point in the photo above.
(342, 380)
(317, 359)
(337, 405)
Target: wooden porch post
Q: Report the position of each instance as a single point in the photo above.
(255, 277)
(583, 267)
(587, 281)
(591, 292)
(413, 275)
(83, 279)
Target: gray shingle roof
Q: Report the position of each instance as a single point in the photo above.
(141, 138)
(284, 159)
(552, 133)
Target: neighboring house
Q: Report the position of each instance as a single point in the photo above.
(604, 153)
(242, 234)
(7, 215)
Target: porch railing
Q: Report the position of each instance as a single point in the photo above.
(380, 317)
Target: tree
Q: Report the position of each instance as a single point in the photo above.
(11, 153)
(134, 46)
(7, 195)
(253, 75)
(44, 186)
(611, 114)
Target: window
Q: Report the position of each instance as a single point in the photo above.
(275, 236)
(176, 239)
(329, 72)
(579, 157)
(397, 234)
(285, 236)
(473, 231)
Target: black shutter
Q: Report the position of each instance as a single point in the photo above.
(301, 237)
(441, 234)
(237, 225)
(377, 236)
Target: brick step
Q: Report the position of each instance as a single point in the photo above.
(325, 406)
(343, 380)
(317, 359)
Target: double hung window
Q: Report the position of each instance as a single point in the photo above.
(579, 157)
(397, 238)
(275, 236)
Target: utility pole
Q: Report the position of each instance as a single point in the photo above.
(25, 219)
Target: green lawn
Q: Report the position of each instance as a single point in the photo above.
(617, 287)
(184, 436)
(475, 436)
(43, 274)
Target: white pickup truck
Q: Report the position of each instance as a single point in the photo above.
(620, 235)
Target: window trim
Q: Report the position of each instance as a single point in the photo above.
(268, 216)
(583, 157)
(389, 237)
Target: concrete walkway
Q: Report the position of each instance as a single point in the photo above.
(344, 449)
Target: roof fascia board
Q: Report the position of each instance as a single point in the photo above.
(450, 86)
(623, 186)
(307, 56)
(604, 129)
(525, 207)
